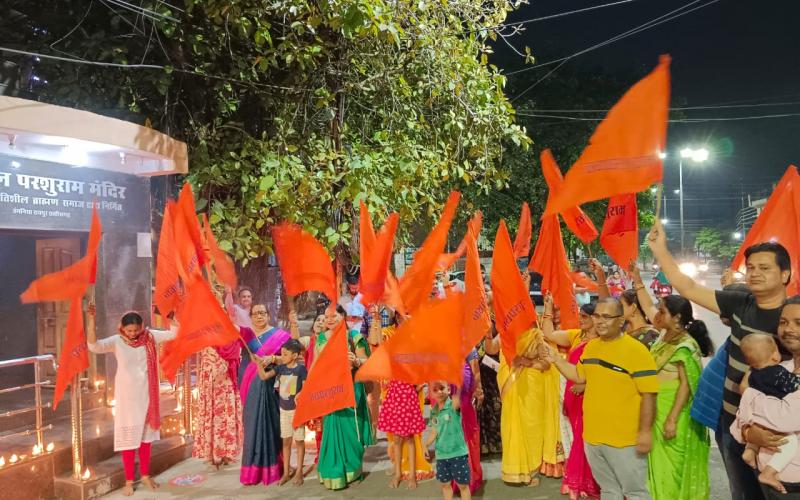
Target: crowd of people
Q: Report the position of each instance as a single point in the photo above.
(618, 408)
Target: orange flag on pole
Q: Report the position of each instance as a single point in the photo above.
(550, 260)
(476, 309)
(305, 264)
(74, 354)
(779, 221)
(187, 211)
(203, 323)
(329, 386)
(416, 356)
(620, 236)
(513, 310)
(223, 265)
(522, 243)
(376, 252)
(71, 281)
(623, 153)
(416, 284)
(576, 220)
(167, 292)
(446, 260)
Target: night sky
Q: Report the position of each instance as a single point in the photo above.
(728, 52)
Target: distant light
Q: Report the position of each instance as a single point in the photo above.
(689, 269)
(653, 190)
(703, 268)
(700, 155)
(662, 155)
(677, 191)
(686, 152)
(664, 221)
(737, 235)
(15, 164)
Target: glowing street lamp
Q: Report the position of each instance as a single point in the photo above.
(698, 156)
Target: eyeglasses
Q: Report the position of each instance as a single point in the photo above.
(604, 317)
(258, 313)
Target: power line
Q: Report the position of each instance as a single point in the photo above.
(647, 25)
(562, 14)
(146, 66)
(676, 120)
(684, 108)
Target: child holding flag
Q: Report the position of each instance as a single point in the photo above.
(137, 418)
(452, 455)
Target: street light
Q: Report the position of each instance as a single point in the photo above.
(737, 235)
(698, 156)
(664, 221)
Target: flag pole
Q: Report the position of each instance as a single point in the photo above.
(659, 191)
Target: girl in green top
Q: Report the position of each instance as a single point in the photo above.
(452, 460)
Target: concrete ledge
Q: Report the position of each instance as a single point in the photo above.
(109, 475)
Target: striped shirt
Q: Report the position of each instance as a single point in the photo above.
(746, 318)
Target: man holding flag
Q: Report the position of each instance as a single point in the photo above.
(768, 273)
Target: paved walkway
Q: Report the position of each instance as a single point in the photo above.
(224, 484)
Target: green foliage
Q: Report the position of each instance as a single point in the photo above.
(715, 243)
(296, 109)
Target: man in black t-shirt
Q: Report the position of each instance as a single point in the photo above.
(768, 273)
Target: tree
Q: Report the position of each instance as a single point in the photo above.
(293, 109)
(714, 243)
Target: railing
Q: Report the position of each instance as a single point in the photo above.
(37, 387)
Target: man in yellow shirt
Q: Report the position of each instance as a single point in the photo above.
(619, 404)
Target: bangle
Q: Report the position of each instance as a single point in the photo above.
(547, 316)
(638, 286)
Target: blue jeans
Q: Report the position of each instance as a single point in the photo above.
(742, 478)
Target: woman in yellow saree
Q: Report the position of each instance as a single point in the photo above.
(529, 421)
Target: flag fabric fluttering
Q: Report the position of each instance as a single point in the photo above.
(779, 221)
(476, 309)
(522, 243)
(223, 264)
(188, 212)
(376, 252)
(304, 263)
(329, 386)
(415, 356)
(72, 280)
(576, 220)
(623, 153)
(168, 287)
(620, 235)
(550, 260)
(513, 310)
(446, 260)
(74, 352)
(581, 280)
(416, 284)
(203, 323)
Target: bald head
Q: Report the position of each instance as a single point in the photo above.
(760, 350)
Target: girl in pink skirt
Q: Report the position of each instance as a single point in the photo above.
(400, 415)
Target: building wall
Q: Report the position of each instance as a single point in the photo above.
(41, 198)
(17, 321)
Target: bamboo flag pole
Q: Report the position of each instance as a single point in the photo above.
(659, 191)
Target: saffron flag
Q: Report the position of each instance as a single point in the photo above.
(513, 310)
(189, 258)
(576, 220)
(550, 260)
(581, 280)
(623, 153)
(522, 243)
(376, 252)
(329, 386)
(188, 213)
(476, 309)
(416, 284)
(414, 355)
(391, 295)
(71, 281)
(223, 265)
(305, 264)
(203, 323)
(779, 221)
(167, 292)
(620, 236)
(446, 260)
(74, 354)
